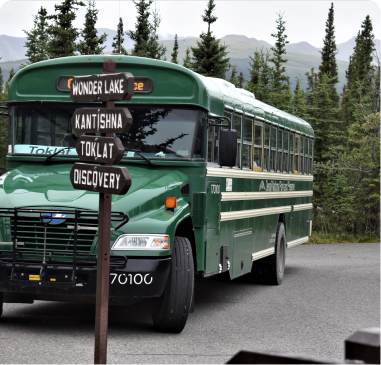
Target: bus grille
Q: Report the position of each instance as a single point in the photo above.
(59, 238)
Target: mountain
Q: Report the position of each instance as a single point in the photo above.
(12, 48)
(302, 47)
(301, 56)
(7, 66)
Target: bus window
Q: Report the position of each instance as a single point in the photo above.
(210, 144)
(280, 142)
(311, 167)
(297, 153)
(301, 155)
(258, 145)
(267, 148)
(247, 153)
(285, 151)
(306, 156)
(291, 145)
(213, 138)
(273, 148)
(237, 125)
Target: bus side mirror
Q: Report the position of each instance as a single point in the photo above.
(227, 152)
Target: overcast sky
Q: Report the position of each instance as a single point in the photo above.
(305, 20)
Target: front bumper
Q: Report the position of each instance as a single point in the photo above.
(133, 278)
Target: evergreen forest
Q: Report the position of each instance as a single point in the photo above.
(346, 183)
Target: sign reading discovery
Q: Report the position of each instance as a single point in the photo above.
(103, 179)
(104, 87)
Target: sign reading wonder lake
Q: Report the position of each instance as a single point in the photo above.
(104, 87)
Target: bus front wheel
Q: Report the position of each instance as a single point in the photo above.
(170, 311)
(270, 269)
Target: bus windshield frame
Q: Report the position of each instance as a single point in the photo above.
(157, 132)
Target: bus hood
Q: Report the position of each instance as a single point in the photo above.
(50, 186)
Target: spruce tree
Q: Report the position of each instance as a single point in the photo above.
(37, 39)
(328, 55)
(11, 74)
(63, 34)
(260, 76)
(91, 43)
(241, 80)
(323, 118)
(119, 39)
(299, 102)
(266, 75)
(367, 47)
(312, 80)
(254, 71)
(1, 83)
(209, 57)
(187, 62)
(175, 51)
(233, 78)
(358, 74)
(281, 94)
(155, 50)
(142, 31)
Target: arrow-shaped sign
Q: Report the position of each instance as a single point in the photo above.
(105, 87)
(107, 150)
(102, 120)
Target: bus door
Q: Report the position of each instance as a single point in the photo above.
(213, 209)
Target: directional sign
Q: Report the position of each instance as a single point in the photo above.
(102, 179)
(105, 120)
(100, 149)
(105, 87)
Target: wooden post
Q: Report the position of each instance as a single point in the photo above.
(103, 262)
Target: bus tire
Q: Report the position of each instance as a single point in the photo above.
(270, 269)
(1, 302)
(170, 311)
(277, 261)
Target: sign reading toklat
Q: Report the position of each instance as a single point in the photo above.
(108, 150)
(104, 87)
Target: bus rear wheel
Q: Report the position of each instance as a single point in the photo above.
(270, 269)
(170, 311)
(1, 303)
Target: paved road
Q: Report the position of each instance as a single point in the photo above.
(329, 291)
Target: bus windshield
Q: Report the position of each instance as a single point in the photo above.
(156, 132)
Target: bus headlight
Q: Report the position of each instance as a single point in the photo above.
(141, 242)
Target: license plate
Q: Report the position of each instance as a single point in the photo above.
(34, 277)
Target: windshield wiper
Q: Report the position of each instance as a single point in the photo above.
(138, 153)
(55, 154)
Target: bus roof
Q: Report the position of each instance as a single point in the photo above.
(173, 84)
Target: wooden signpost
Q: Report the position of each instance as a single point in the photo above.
(105, 179)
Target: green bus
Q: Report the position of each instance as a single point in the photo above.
(221, 183)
